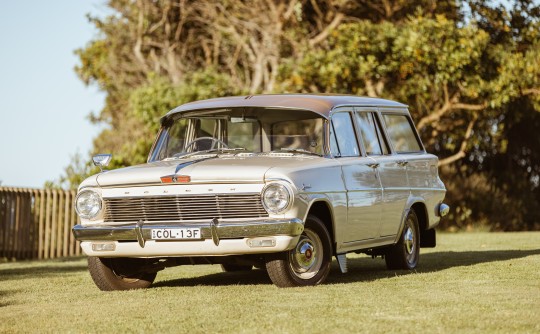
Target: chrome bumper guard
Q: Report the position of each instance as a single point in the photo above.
(215, 230)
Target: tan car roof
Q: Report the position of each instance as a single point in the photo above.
(321, 104)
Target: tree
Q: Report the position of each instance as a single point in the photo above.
(469, 70)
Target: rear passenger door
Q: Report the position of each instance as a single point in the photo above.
(409, 158)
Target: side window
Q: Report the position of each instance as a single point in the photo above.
(345, 136)
(369, 133)
(401, 133)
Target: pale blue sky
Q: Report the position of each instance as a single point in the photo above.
(43, 104)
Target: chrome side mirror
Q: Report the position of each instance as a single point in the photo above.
(102, 160)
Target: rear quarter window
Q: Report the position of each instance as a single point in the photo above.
(401, 133)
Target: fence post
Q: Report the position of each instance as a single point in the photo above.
(66, 224)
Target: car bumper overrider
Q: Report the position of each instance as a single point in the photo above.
(223, 237)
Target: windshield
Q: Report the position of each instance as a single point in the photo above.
(255, 130)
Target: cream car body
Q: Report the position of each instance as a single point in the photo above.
(351, 175)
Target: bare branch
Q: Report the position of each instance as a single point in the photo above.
(139, 40)
(319, 13)
(465, 106)
(462, 150)
(180, 26)
(326, 31)
(379, 87)
(162, 20)
(290, 10)
(529, 91)
(435, 116)
(450, 103)
(370, 89)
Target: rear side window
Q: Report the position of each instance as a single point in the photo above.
(370, 134)
(401, 133)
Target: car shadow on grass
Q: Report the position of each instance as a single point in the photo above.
(362, 269)
(251, 277)
(367, 269)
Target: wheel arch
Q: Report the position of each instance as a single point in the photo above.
(420, 210)
(419, 207)
(428, 238)
(323, 210)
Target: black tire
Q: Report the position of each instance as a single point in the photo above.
(119, 273)
(227, 267)
(406, 252)
(306, 264)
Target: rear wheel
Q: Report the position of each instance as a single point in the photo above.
(406, 253)
(119, 273)
(226, 267)
(308, 263)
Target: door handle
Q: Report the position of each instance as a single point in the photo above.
(403, 163)
(373, 165)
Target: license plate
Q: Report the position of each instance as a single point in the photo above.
(176, 233)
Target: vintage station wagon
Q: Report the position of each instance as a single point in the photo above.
(277, 182)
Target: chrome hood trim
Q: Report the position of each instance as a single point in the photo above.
(219, 169)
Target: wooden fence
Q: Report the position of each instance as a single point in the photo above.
(36, 223)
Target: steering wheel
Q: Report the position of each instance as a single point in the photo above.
(214, 142)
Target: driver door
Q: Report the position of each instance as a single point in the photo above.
(364, 194)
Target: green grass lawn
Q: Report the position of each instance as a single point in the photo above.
(477, 282)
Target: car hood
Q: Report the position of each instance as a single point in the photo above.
(214, 169)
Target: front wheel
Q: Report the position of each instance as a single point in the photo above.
(119, 273)
(406, 253)
(308, 263)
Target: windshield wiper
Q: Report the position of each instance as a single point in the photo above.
(226, 149)
(295, 150)
(211, 151)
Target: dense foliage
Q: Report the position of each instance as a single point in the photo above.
(469, 70)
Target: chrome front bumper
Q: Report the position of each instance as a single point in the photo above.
(226, 237)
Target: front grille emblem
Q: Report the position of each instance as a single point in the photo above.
(175, 179)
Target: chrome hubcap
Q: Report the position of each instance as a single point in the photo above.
(409, 240)
(304, 255)
(304, 259)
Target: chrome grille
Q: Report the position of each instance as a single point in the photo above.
(181, 207)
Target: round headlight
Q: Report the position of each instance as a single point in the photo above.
(88, 204)
(276, 197)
